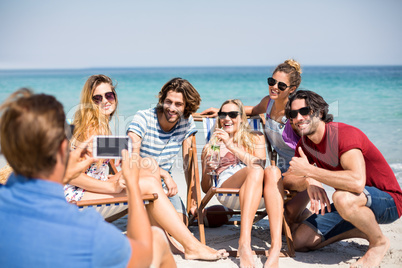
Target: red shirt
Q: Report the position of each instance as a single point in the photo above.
(340, 138)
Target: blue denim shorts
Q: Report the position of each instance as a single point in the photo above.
(176, 201)
(332, 224)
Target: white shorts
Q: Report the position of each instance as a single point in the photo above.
(227, 173)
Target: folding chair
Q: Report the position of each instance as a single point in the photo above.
(256, 124)
(112, 209)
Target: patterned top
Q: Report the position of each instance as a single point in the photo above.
(156, 143)
(74, 193)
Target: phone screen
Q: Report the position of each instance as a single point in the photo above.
(110, 147)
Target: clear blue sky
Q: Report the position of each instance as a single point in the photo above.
(115, 33)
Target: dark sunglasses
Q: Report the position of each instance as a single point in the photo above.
(272, 82)
(303, 111)
(233, 114)
(109, 96)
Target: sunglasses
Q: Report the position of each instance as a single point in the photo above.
(109, 96)
(303, 111)
(233, 114)
(272, 82)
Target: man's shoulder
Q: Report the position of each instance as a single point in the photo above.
(343, 128)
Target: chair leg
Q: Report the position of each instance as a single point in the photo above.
(289, 238)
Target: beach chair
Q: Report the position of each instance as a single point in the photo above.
(112, 209)
(230, 194)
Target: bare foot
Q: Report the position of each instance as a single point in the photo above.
(373, 256)
(273, 258)
(203, 252)
(246, 256)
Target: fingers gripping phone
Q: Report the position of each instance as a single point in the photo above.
(109, 147)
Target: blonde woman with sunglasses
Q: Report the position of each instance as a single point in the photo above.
(98, 104)
(242, 155)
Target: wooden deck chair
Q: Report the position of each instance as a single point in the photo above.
(257, 123)
(112, 209)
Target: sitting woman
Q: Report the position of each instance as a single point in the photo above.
(98, 104)
(242, 166)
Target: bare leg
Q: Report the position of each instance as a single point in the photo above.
(164, 214)
(296, 210)
(352, 207)
(162, 257)
(273, 195)
(250, 180)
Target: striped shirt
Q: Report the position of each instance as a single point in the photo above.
(156, 143)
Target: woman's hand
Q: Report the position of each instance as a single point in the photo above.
(118, 182)
(222, 136)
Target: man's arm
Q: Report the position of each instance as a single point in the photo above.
(352, 178)
(138, 226)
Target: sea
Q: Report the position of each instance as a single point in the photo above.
(368, 97)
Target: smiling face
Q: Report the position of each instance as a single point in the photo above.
(173, 106)
(275, 92)
(230, 125)
(306, 125)
(107, 107)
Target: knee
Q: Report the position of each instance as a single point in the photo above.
(255, 173)
(149, 184)
(158, 236)
(305, 239)
(272, 174)
(344, 202)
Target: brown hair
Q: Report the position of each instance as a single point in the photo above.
(32, 129)
(191, 97)
(319, 107)
(293, 69)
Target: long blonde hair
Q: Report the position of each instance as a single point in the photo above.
(244, 137)
(88, 119)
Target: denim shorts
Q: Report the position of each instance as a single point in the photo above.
(176, 201)
(332, 224)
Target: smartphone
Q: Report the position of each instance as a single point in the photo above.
(110, 147)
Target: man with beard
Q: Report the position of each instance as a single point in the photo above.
(38, 227)
(341, 156)
(161, 131)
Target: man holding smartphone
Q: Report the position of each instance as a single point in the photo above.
(160, 131)
(40, 227)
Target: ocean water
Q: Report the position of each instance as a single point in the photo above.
(367, 97)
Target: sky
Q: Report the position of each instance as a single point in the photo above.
(47, 34)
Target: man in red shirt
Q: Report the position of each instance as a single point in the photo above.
(341, 156)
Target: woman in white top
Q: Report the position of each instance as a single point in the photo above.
(242, 164)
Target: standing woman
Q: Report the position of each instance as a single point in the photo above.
(97, 106)
(285, 80)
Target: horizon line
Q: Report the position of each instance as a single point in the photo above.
(190, 66)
